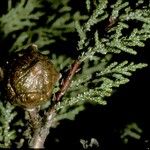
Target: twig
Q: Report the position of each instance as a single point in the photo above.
(67, 80)
(42, 132)
(110, 23)
(34, 118)
(1, 74)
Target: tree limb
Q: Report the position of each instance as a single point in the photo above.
(67, 80)
(40, 134)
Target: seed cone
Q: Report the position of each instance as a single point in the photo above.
(30, 77)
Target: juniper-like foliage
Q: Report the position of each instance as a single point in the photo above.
(8, 128)
(102, 31)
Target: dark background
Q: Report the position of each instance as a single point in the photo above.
(130, 103)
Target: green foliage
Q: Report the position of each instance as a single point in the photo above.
(7, 134)
(131, 130)
(23, 12)
(103, 84)
(20, 18)
(102, 34)
(93, 143)
(69, 113)
(96, 82)
(26, 17)
(115, 41)
(61, 61)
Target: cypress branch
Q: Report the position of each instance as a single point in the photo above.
(94, 75)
